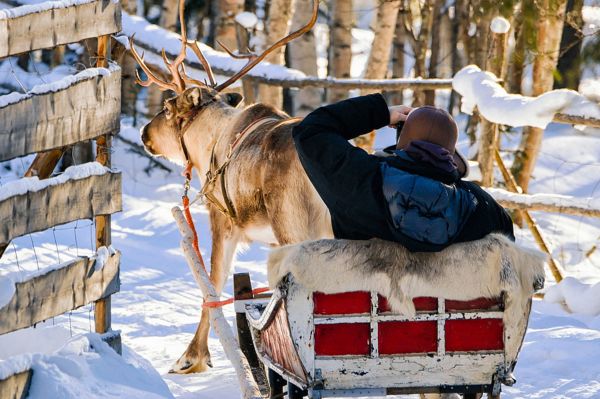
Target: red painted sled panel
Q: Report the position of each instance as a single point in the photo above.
(474, 335)
(475, 304)
(400, 337)
(342, 339)
(356, 302)
(422, 304)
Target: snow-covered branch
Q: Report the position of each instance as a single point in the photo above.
(480, 89)
(150, 39)
(547, 202)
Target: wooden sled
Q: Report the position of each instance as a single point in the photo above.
(350, 344)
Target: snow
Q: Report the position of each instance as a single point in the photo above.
(57, 85)
(480, 89)
(545, 199)
(102, 255)
(500, 25)
(247, 19)
(82, 367)
(577, 296)
(36, 7)
(33, 184)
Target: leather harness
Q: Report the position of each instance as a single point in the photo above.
(215, 171)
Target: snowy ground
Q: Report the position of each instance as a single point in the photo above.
(158, 306)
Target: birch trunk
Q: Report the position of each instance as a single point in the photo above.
(169, 15)
(379, 58)
(217, 318)
(549, 30)
(340, 45)
(168, 20)
(434, 55)
(277, 26)
(129, 89)
(303, 56)
(397, 97)
(223, 24)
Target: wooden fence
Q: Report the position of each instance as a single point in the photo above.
(47, 121)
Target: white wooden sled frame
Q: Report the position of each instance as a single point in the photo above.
(291, 308)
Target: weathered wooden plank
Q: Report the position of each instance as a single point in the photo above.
(47, 118)
(33, 27)
(58, 291)
(16, 386)
(60, 203)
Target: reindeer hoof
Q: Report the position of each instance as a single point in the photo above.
(188, 365)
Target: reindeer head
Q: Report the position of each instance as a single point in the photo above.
(163, 135)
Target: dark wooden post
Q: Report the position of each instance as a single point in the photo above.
(242, 289)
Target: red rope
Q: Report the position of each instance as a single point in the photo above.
(188, 218)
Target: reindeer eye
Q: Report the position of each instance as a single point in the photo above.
(168, 113)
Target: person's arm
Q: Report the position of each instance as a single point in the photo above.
(338, 170)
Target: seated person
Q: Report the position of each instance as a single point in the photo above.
(415, 197)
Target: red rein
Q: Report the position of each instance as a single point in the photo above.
(187, 173)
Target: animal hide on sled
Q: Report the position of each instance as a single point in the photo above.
(490, 267)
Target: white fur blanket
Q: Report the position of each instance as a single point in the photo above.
(483, 268)
(488, 268)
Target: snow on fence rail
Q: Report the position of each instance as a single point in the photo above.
(64, 288)
(82, 192)
(49, 24)
(60, 113)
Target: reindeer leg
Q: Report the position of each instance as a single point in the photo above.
(225, 239)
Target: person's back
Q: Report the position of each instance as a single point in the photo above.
(415, 197)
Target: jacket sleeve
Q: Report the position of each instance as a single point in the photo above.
(340, 171)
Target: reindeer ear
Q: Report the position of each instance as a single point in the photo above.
(233, 99)
(193, 96)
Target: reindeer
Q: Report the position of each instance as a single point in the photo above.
(255, 186)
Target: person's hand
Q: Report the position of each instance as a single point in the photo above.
(398, 113)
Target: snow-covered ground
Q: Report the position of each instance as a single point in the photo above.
(158, 307)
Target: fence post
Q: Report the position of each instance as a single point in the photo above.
(488, 139)
(102, 306)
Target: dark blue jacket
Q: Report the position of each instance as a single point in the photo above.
(394, 198)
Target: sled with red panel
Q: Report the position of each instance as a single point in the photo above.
(351, 344)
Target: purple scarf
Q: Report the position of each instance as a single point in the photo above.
(432, 154)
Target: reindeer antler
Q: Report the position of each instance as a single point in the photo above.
(179, 78)
(255, 59)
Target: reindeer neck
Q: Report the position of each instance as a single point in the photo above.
(215, 126)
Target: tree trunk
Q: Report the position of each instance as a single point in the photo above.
(379, 57)
(569, 61)
(223, 24)
(434, 55)
(278, 26)
(419, 43)
(549, 30)
(397, 97)
(303, 56)
(340, 45)
(169, 15)
(129, 89)
(456, 61)
(517, 57)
